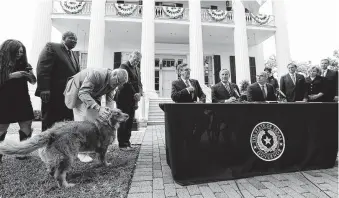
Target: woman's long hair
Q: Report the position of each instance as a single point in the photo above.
(8, 52)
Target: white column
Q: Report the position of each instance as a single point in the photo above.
(259, 57)
(42, 29)
(96, 43)
(147, 48)
(242, 67)
(42, 32)
(196, 62)
(281, 37)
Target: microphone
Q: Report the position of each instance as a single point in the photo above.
(280, 92)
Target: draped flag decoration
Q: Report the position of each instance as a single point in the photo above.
(72, 6)
(173, 12)
(262, 19)
(125, 9)
(217, 15)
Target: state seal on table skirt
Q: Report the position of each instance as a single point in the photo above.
(267, 141)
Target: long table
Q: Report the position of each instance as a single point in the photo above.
(213, 142)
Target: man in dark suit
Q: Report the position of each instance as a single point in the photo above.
(224, 91)
(185, 89)
(331, 81)
(127, 98)
(56, 64)
(293, 84)
(261, 90)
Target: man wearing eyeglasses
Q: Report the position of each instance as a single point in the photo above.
(127, 98)
(185, 89)
(261, 91)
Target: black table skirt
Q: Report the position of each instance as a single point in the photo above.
(213, 142)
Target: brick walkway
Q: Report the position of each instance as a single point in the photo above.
(152, 179)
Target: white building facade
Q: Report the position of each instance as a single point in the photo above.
(208, 35)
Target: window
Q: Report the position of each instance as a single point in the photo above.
(157, 62)
(168, 63)
(214, 7)
(156, 80)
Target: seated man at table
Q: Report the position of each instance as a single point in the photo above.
(186, 90)
(224, 91)
(261, 91)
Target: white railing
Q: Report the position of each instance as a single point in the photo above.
(206, 17)
(57, 9)
(111, 10)
(251, 21)
(160, 14)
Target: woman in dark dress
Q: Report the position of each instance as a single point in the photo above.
(314, 86)
(15, 103)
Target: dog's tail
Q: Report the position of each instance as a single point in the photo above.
(25, 147)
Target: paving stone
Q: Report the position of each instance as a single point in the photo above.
(183, 193)
(230, 191)
(273, 188)
(141, 183)
(197, 196)
(206, 192)
(158, 193)
(157, 173)
(246, 194)
(215, 187)
(221, 195)
(143, 189)
(291, 192)
(168, 180)
(331, 194)
(268, 193)
(257, 184)
(193, 190)
(308, 195)
(314, 190)
(140, 195)
(142, 178)
(170, 190)
(254, 191)
(158, 184)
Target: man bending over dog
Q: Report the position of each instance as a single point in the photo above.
(84, 91)
(95, 130)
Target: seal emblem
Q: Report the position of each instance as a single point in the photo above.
(267, 141)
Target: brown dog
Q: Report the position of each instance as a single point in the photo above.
(60, 145)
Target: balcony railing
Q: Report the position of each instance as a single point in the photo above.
(163, 12)
(124, 10)
(268, 20)
(57, 9)
(208, 15)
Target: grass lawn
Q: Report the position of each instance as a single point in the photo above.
(28, 178)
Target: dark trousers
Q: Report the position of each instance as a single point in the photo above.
(125, 129)
(55, 111)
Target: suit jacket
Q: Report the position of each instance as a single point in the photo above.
(220, 93)
(180, 94)
(255, 94)
(293, 92)
(125, 93)
(54, 68)
(314, 87)
(331, 84)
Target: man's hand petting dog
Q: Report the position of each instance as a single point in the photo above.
(104, 113)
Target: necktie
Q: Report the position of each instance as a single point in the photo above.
(227, 86)
(72, 58)
(293, 79)
(263, 91)
(188, 85)
(323, 73)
